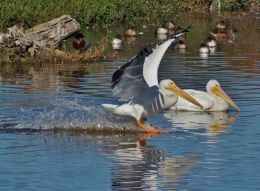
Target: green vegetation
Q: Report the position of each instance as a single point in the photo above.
(100, 12)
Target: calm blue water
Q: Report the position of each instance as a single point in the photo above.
(46, 107)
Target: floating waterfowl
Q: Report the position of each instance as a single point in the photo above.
(215, 99)
(130, 32)
(80, 43)
(221, 36)
(204, 51)
(170, 25)
(203, 48)
(181, 45)
(220, 26)
(117, 42)
(162, 37)
(136, 83)
(161, 30)
(211, 42)
(221, 32)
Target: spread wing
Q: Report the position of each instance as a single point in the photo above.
(137, 80)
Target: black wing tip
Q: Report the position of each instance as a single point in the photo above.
(144, 52)
(182, 30)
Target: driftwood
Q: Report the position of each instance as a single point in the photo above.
(52, 33)
(44, 39)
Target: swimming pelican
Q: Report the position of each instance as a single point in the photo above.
(136, 83)
(215, 99)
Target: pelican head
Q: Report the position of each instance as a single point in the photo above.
(213, 87)
(170, 88)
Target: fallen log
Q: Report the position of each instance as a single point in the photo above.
(52, 33)
(45, 39)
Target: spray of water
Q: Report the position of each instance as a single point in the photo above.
(72, 114)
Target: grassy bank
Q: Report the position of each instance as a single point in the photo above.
(100, 12)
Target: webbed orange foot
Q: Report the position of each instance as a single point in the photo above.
(153, 131)
(147, 130)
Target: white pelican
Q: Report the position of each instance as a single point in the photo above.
(215, 99)
(136, 83)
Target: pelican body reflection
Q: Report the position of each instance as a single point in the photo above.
(140, 166)
(213, 122)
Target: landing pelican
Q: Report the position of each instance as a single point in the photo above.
(215, 99)
(136, 83)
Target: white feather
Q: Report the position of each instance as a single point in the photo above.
(129, 110)
(152, 62)
(202, 97)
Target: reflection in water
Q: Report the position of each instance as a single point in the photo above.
(161, 36)
(182, 50)
(130, 41)
(213, 122)
(136, 166)
(174, 171)
(139, 166)
(212, 50)
(204, 55)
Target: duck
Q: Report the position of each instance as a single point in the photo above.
(181, 44)
(170, 25)
(220, 32)
(221, 26)
(80, 43)
(161, 29)
(130, 32)
(204, 48)
(204, 51)
(211, 42)
(117, 42)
